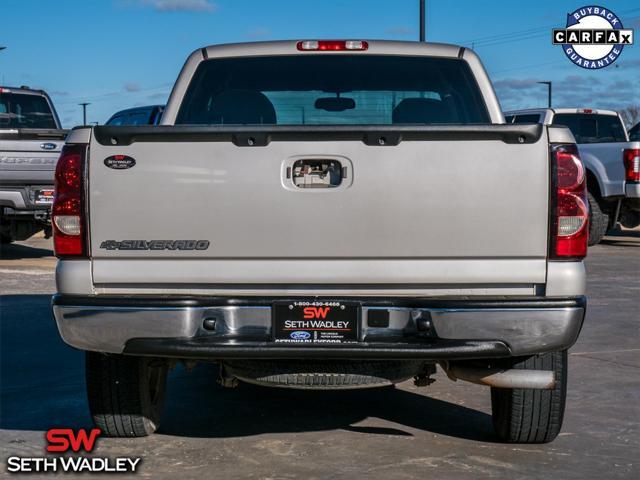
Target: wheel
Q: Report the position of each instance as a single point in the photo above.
(5, 230)
(125, 393)
(531, 416)
(598, 221)
(629, 218)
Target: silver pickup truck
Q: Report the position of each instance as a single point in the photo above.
(324, 214)
(30, 142)
(611, 159)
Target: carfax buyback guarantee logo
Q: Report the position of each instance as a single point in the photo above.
(593, 38)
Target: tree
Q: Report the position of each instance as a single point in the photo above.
(630, 115)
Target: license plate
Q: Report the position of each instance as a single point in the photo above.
(315, 322)
(44, 197)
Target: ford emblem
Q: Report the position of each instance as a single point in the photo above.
(48, 146)
(119, 162)
(298, 335)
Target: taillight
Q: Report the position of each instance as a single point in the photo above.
(631, 157)
(67, 213)
(333, 45)
(570, 216)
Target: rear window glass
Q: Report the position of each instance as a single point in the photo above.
(532, 118)
(592, 128)
(20, 110)
(117, 120)
(139, 118)
(332, 90)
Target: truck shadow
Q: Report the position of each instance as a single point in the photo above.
(252, 410)
(42, 386)
(622, 238)
(15, 251)
(41, 379)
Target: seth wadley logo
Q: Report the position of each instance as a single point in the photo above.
(65, 441)
(593, 38)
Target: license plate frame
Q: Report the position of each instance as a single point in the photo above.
(315, 322)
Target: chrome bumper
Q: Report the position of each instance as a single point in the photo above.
(13, 199)
(520, 328)
(632, 190)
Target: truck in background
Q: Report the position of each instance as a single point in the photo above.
(31, 139)
(148, 115)
(611, 159)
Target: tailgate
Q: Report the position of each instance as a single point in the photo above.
(440, 207)
(29, 156)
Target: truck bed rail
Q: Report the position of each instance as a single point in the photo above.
(258, 135)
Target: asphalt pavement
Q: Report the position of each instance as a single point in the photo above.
(442, 431)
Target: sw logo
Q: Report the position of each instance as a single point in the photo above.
(315, 312)
(66, 440)
(63, 439)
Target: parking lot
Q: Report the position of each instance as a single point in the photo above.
(403, 432)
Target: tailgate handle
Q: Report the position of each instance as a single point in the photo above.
(317, 173)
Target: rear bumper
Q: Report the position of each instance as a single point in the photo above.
(458, 329)
(13, 199)
(632, 190)
(21, 198)
(632, 195)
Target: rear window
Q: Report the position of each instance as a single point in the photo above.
(140, 117)
(117, 120)
(592, 128)
(332, 90)
(20, 110)
(529, 118)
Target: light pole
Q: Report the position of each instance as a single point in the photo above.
(2, 48)
(422, 14)
(84, 112)
(548, 84)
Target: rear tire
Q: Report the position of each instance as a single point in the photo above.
(598, 221)
(126, 394)
(532, 416)
(629, 218)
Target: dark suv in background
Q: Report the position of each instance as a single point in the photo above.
(149, 115)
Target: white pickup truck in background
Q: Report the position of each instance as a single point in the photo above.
(324, 214)
(612, 162)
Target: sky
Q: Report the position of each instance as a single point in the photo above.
(118, 54)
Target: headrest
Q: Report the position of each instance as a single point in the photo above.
(240, 107)
(422, 110)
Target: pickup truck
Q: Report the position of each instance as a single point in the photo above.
(30, 142)
(324, 215)
(611, 159)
